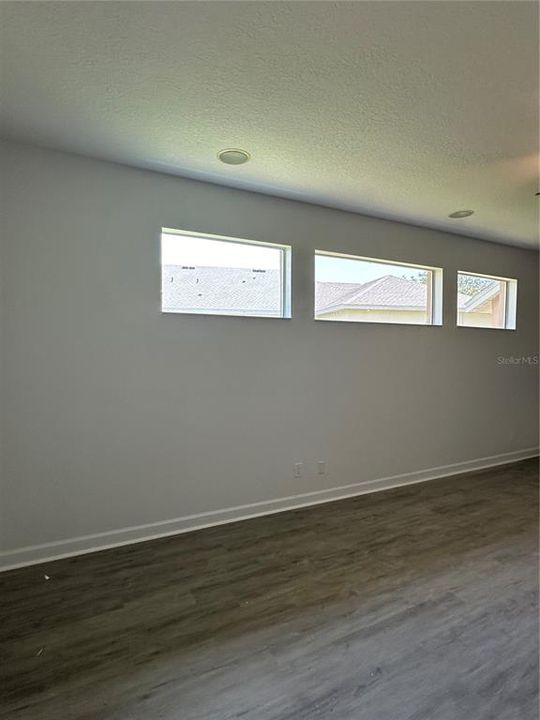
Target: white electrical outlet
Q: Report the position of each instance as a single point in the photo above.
(298, 468)
(321, 467)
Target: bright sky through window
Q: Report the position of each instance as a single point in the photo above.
(346, 270)
(202, 252)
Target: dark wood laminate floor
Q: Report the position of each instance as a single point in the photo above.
(412, 604)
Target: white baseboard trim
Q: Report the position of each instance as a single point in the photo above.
(84, 544)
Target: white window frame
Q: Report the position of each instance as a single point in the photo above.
(284, 274)
(435, 312)
(510, 301)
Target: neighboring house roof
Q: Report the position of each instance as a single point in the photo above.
(476, 301)
(221, 289)
(387, 292)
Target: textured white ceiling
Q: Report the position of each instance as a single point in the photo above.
(407, 110)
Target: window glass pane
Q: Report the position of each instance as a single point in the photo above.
(362, 290)
(481, 301)
(221, 277)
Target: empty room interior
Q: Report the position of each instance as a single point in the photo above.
(269, 326)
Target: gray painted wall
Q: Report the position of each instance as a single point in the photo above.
(116, 415)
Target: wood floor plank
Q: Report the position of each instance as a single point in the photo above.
(418, 603)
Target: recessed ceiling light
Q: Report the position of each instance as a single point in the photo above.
(461, 214)
(233, 156)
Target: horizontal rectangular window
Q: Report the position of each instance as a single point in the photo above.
(214, 275)
(359, 289)
(486, 301)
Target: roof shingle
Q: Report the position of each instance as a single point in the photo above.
(221, 289)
